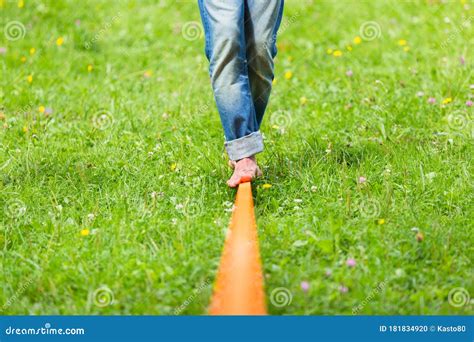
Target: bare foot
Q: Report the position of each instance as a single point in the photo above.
(244, 168)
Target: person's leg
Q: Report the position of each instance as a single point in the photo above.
(262, 20)
(223, 21)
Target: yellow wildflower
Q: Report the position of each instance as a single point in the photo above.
(90, 67)
(59, 41)
(329, 51)
(42, 109)
(29, 78)
(85, 232)
(25, 129)
(303, 100)
(349, 47)
(23, 59)
(173, 166)
(274, 81)
(406, 48)
(266, 186)
(32, 51)
(447, 100)
(402, 42)
(357, 40)
(21, 3)
(288, 75)
(337, 53)
(381, 221)
(275, 126)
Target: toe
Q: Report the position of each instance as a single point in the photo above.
(234, 180)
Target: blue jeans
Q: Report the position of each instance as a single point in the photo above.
(240, 46)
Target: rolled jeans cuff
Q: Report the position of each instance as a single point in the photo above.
(245, 147)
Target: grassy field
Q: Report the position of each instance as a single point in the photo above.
(112, 170)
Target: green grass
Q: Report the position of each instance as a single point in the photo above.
(132, 152)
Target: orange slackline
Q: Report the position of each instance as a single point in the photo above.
(239, 286)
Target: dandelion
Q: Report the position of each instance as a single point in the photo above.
(329, 51)
(288, 75)
(60, 41)
(337, 53)
(42, 109)
(173, 166)
(447, 100)
(357, 40)
(406, 48)
(275, 127)
(274, 81)
(23, 59)
(361, 180)
(32, 51)
(349, 47)
(21, 3)
(29, 78)
(469, 103)
(349, 73)
(304, 286)
(381, 221)
(303, 100)
(266, 186)
(90, 67)
(402, 42)
(432, 100)
(85, 232)
(351, 262)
